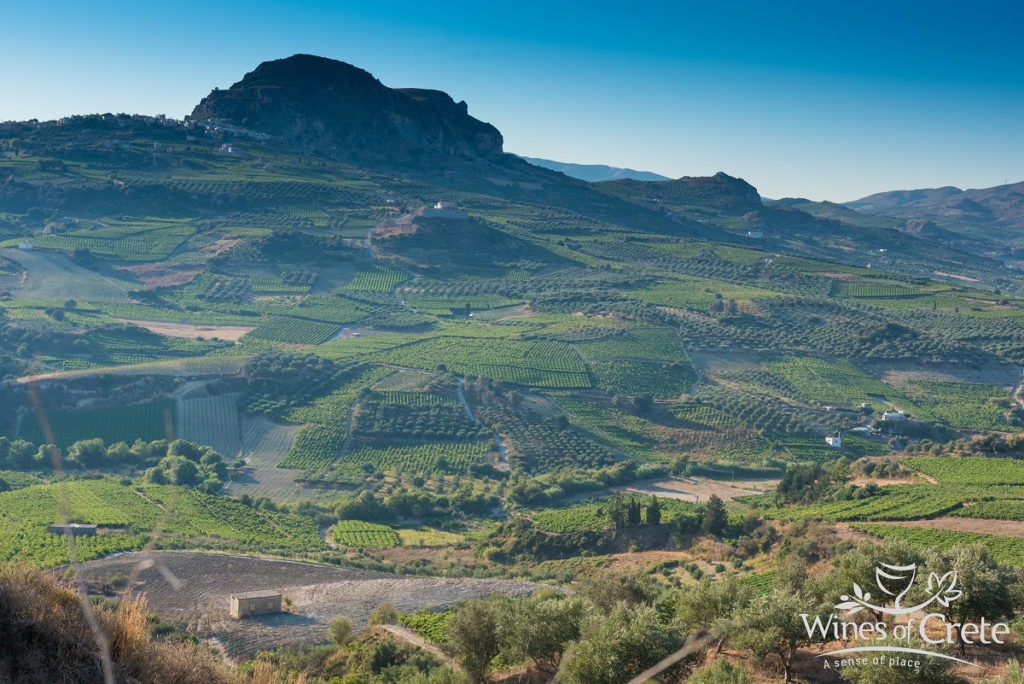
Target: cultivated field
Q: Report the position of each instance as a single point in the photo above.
(212, 421)
(192, 591)
(264, 444)
(193, 331)
(54, 276)
(691, 489)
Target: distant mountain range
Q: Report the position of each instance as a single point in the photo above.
(319, 112)
(986, 214)
(594, 173)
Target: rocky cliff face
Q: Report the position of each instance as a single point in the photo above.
(334, 109)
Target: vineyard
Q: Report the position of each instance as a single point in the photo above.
(540, 445)
(212, 421)
(971, 470)
(661, 381)
(868, 290)
(999, 509)
(642, 343)
(135, 514)
(138, 240)
(295, 331)
(292, 280)
(416, 457)
(377, 279)
(325, 423)
(1006, 549)
(835, 381)
(429, 624)
(960, 405)
(338, 310)
(118, 424)
(543, 364)
(414, 415)
(444, 306)
(362, 534)
(908, 502)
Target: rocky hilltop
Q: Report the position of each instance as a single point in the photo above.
(721, 191)
(334, 109)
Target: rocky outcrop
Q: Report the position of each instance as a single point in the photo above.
(334, 109)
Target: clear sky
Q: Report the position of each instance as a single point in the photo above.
(825, 99)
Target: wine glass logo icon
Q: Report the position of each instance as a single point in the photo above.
(896, 581)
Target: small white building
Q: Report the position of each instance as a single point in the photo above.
(755, 233)
(893, 416)
(448, 206)
(835, 442)
(25, 246)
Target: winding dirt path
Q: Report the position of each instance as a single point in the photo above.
(409, 636)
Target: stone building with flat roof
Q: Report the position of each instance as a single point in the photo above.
(255, 603)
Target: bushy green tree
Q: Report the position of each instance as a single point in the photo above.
(985, 584)
(714, 518)
(542, 626)
(771, 626)
(711, 606)
(721, 671)
(619, 647)
(341, 630)
(473, 633)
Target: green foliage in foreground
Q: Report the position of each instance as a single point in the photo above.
(429, 624)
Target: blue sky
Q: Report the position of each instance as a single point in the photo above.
(824, 99)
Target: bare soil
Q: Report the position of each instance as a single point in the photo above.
(1004, 375)
(192, 331)
(690, 489)
(164, 275)
(193, 590)
(706, 363)
(221, 245)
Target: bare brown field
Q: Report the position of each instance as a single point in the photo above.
(706, 363)
(164, 275)
(698, 489)
(192, 331)
(192, 591)
(1004, 375)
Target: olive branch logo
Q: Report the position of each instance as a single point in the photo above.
(896, 580)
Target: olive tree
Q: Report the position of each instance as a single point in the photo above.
(771, 626)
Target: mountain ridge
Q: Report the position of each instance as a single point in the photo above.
(593, 173)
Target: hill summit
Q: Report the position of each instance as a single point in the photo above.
(335, 109)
